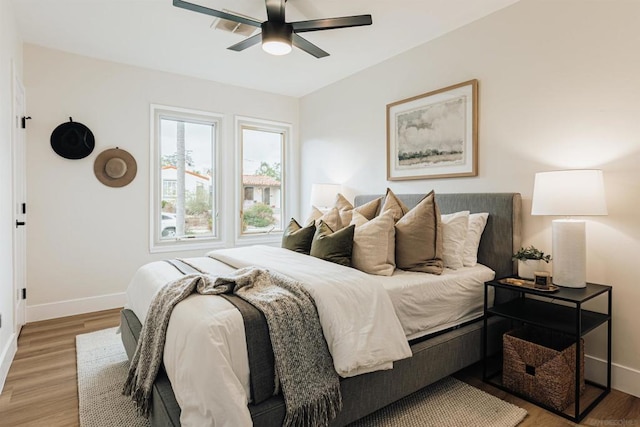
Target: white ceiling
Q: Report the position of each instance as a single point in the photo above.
(155, 34)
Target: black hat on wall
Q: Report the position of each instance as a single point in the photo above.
(72, 140)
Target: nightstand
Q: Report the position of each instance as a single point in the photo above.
(559, 312)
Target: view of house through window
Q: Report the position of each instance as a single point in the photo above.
(262, 183)
(187, 173)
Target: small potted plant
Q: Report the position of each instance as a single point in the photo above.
(531, 260)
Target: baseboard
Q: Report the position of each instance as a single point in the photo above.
(6, 358)
(623, 378)
(57, 309)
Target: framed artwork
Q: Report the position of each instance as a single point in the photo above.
(434, 135)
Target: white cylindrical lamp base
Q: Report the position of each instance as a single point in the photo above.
(569, 253)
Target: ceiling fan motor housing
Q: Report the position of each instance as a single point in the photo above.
(277, 31)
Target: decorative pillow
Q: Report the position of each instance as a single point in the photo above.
(342, 203)
(454, 235)
(313, 215)
(370, 209)
(345, 216)
(333, 246)
(374, 244)
(477, 223)
(298, 239)
(331, 218)
(419, 238)
(395, 205)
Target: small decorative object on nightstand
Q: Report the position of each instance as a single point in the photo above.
(568, 319)
(530, 260)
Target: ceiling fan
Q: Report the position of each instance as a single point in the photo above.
(277, 35)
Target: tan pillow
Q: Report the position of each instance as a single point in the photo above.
(370, 209)
(345, 216)
(331, 218)
(342, 203)
(395, 205)
(374, 244)
(454, 235)
(419, 238)
(313, 216)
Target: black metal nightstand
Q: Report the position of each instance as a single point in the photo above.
(560, 311)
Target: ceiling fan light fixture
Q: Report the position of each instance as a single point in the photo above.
(276, 38)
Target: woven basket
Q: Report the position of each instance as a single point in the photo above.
(541, 365)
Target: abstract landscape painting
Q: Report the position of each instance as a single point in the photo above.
(433, 135)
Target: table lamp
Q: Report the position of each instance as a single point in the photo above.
(324, 195)
(569, 193)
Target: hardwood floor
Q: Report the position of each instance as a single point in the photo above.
(41, 388)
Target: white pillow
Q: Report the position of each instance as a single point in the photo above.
(477, 222)
(454, 235)
(374, 244)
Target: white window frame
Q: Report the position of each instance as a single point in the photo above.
(287, 186)
(156, 244)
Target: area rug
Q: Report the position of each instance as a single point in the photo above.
(102, 370)
(103, 364)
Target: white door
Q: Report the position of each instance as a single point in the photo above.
(19, 204)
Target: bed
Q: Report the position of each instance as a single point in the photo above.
(436, 352)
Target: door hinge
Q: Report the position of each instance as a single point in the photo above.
(24, 293)
(24, 121)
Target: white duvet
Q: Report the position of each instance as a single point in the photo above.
(205, 352)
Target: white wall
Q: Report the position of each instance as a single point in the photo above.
(85, 240)
(10, 60)
(559, 88)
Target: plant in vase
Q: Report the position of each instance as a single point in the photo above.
(531, 260)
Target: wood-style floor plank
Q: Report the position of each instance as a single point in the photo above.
(41, 387)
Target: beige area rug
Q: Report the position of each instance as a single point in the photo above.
(103, 364)
(102, 370)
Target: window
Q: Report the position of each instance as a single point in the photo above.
(184, 205)
(262, 147)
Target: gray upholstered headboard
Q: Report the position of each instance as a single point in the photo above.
(501, 237)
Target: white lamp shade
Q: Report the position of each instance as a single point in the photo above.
(569, 193)
(324, 195)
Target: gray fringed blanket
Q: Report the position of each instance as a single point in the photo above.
(309, 383)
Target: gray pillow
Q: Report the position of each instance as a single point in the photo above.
(333, 246)
(297, 238)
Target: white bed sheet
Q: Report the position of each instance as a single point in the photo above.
(428, 303)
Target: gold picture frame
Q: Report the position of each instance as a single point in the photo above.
(434, 135)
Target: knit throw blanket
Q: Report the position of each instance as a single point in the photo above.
(303, 364)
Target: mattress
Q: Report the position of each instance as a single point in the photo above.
(428, 303)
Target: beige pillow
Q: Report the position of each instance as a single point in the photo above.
(342, 203)
(454, 234)
(477, 223)
(313, 216)
(345, 216)
(419, 238)
(374, 244)
(332, 219)
(370, 209)
(395, 205)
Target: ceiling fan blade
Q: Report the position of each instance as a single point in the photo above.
(308, 47)
(216, 13)
(331, 23)
(255, 39)
(275, 10)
